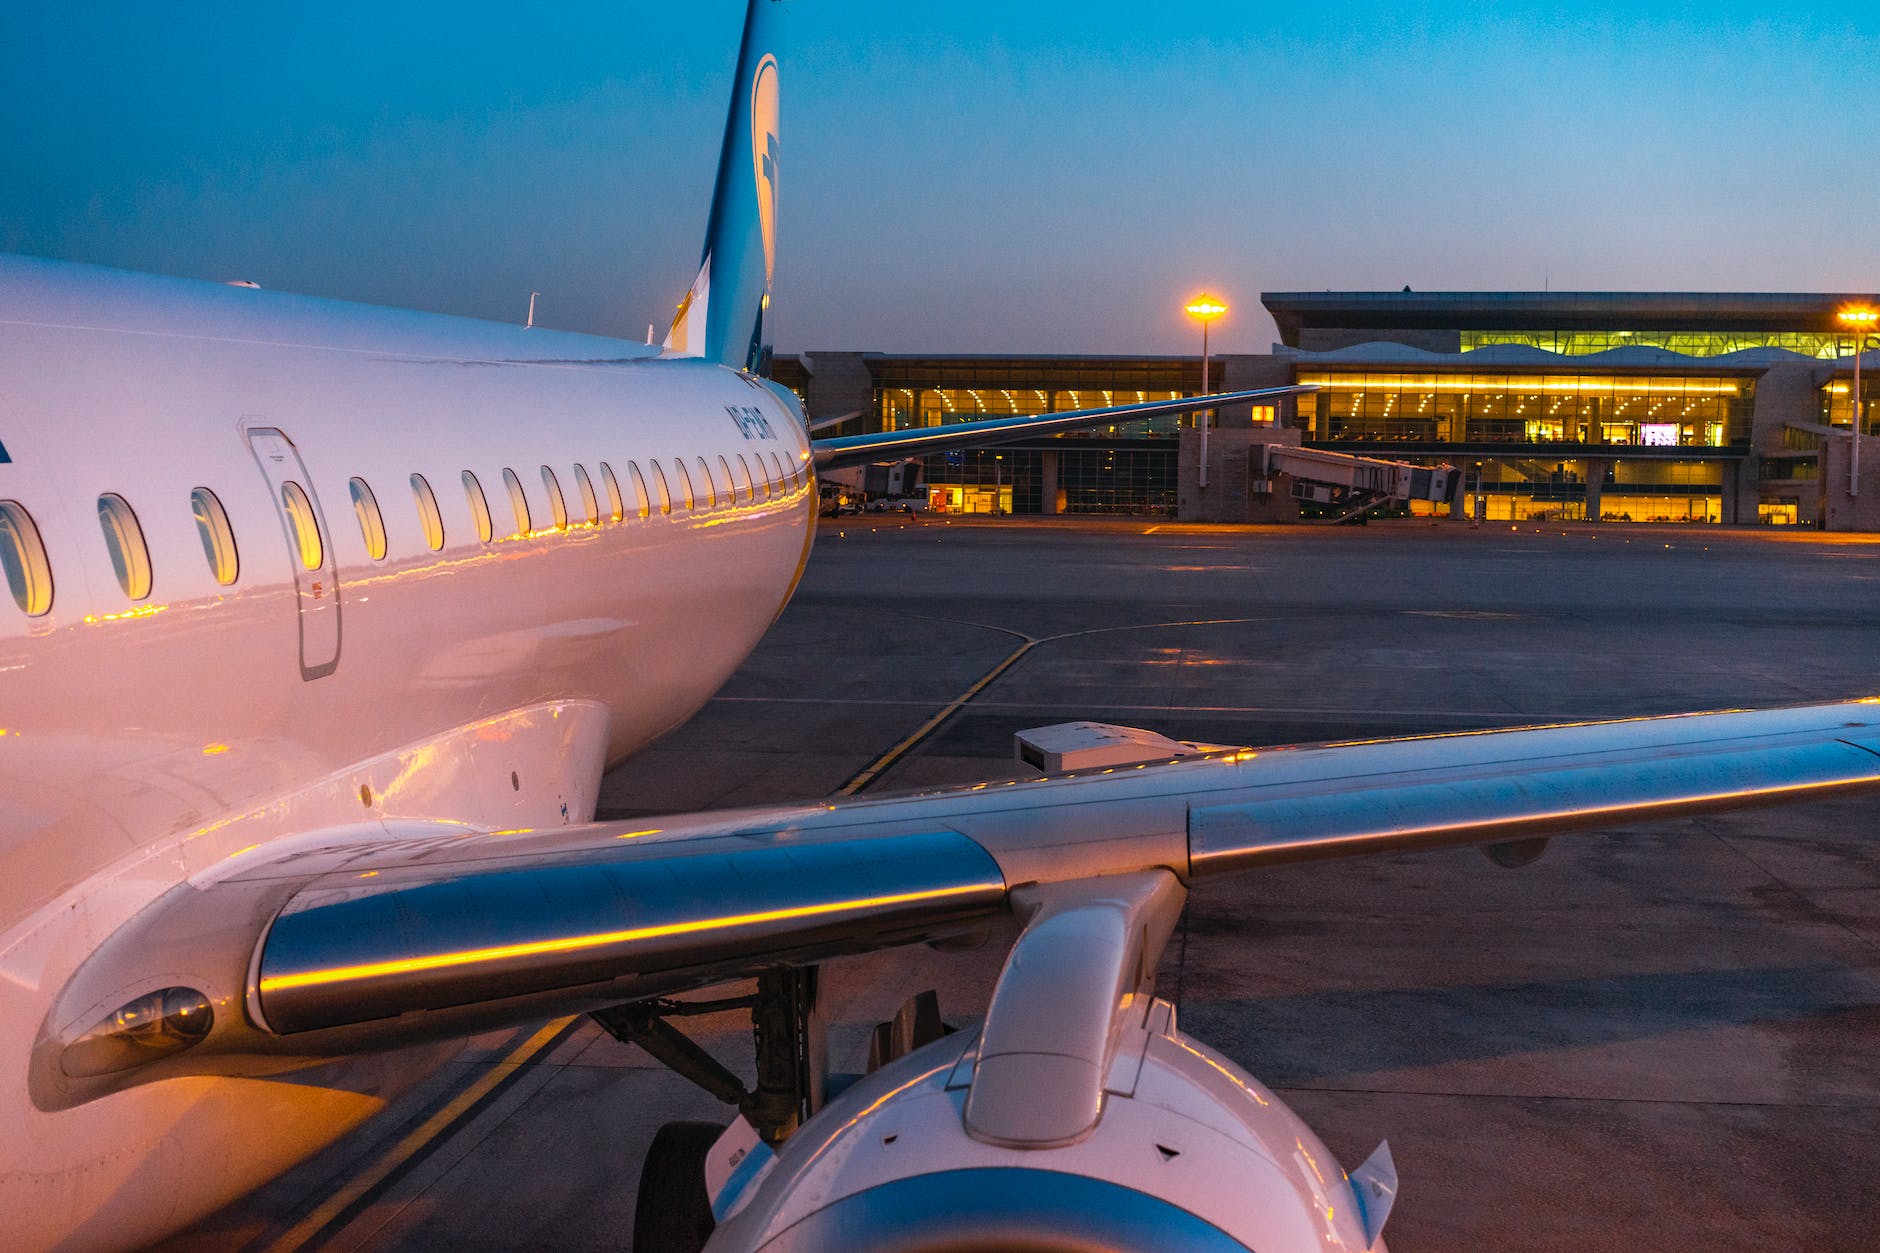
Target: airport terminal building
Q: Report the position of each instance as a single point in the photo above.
(1700, 407)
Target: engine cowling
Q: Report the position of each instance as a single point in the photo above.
(1189, 1153)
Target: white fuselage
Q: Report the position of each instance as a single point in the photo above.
(488, 683)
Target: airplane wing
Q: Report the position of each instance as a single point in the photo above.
(849, 450)
(357, 942)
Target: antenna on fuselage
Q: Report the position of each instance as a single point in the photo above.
(649, 332)
(531, 322)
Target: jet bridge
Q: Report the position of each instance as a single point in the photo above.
(1359, 484)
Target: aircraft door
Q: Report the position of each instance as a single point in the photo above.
(309, 549)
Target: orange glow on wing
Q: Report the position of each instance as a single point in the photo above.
(573, 944)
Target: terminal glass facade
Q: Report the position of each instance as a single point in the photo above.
(1837, 402)
(1607, 409)
(1514, 489)
(901, 408)
(1823, 345)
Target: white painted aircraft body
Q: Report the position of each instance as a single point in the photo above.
(152, 740)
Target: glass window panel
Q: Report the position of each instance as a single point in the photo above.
(371, 524)
(302, 521)
(124, 539)
(551, 487)
(23, 557)
(428, 514)
(590, 506)
(218, 537)
(518, 502)
(479, 507)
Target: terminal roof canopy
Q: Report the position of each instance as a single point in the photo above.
(1553, 311)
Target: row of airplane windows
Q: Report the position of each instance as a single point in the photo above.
(29, 572)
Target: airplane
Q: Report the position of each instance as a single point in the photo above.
(327, 621)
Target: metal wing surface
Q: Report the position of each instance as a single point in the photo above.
(850, 450)
(361, 943)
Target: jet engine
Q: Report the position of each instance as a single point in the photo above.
(1187, 1152)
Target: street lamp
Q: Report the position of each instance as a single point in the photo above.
(1860, 319)
(1207, 308)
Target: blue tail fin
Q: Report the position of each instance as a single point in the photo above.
(722, 316)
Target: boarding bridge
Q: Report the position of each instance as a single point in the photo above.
(1358, 483)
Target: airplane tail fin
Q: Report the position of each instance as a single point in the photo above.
(722, 316)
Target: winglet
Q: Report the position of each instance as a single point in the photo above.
(722, 315)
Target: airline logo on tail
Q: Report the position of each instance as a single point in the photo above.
(764, 159)
(722, 316)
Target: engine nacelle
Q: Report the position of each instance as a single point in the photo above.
(1189, 1153)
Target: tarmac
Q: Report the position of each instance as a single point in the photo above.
(1656, 1036)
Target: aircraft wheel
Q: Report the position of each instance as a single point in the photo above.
(673, 1214)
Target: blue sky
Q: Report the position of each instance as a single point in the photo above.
(969, 177)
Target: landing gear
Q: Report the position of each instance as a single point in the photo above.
(786, 1027)
(673, 1213)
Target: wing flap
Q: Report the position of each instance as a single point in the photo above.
(337, 957)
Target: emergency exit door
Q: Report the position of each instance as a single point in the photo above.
(309, 549)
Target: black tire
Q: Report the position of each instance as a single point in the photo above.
(673, 1214)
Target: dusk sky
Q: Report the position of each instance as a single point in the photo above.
(966, 177)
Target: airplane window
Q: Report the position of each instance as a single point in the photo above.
(218, 537)
(731, 484)
(130, 558)
(518, 502)
(616, 508)
(744, 473)
(556, 505)
(479, 506)
(685, 479)
(711, 484)
(371, 522)
(306, 527)
(665, 493)
(428, 512)
(776, 465)
(23, 556)
(590, 507)
(639, 485)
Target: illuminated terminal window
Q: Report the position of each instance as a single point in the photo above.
(1837, 402)
(1689, 343)
(1518, 489)
(1657, 410)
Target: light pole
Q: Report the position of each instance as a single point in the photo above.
(1860, 320)
(1207, 308)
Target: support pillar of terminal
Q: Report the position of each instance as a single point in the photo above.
(1595, 484)
(1234, 491)
(1840, 509)
(1049, 502)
